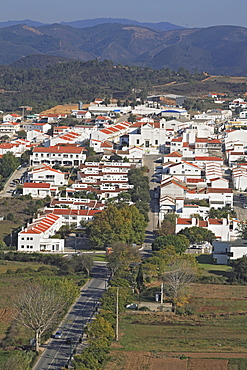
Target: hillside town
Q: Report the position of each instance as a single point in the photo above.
(194, 164)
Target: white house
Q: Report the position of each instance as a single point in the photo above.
(81, 114)
(67, 155)
(220, 227)
(36, 237)
(9, 128)
(39, 189)
(46, 174)
(224, 252)
(40, 126)
(74, 216)
(239, 177)
(182, 170)
(12, 118)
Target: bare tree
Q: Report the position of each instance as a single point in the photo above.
(38, 308)
(180, 275)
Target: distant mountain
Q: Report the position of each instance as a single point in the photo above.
(161, 26)
(217, 50)
(24, 21)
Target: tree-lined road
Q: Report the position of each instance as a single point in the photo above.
(57, 352)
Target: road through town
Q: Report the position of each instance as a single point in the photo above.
(58, 351)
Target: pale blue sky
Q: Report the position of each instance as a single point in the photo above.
(186, 13)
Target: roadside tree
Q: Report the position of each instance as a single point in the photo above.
(41, 304)
(121, 256)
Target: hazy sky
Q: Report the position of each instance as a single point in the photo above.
(186, 13)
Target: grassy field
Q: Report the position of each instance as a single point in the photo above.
(149, 332)
(215, 327)
(17, 208)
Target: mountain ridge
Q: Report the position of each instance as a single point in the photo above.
(216, 49)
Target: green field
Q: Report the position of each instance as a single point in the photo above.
(150, 332)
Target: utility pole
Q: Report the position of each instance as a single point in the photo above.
(117, 316)
(162, 293)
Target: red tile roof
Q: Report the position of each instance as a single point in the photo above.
(34, 185)
(212, 159)
(59, 149)
(219, 190)
(184, 221)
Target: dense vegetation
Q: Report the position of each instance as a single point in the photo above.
(74, 81)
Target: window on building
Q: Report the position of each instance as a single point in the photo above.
(137, 141)
(156, 142)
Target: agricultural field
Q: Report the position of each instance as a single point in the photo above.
(209, 334)
(161, 361)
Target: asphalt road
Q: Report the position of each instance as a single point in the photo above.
(150, 161)
(9, 186)
(57, 352)
(238, 207)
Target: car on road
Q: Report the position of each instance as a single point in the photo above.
(68, 340)
(244, 205)
(57, 335)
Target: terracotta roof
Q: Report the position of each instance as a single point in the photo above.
(59, 149)
(214, 141)
(190, 180)
(201, 140)
(174, 154)
(177, 140)
(184, 221)
(219, 190)
(34, 185)
(215, 221)
(208, 159)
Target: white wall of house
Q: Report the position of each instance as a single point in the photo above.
(51, 176)
(223, 252)
(33, 238)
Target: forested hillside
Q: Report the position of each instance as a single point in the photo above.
(74, 81)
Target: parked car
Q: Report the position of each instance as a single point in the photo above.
(57, 335)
